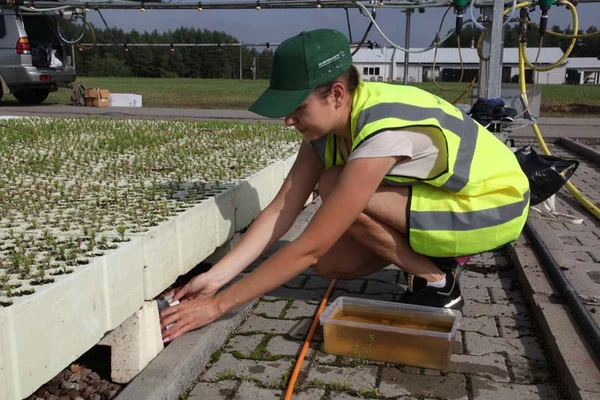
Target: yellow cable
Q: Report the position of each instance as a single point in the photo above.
(538, 134)
(567, 36)
(571, 7)
(92, 36)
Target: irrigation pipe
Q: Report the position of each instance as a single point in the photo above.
(364, 37)
(567, 53)
(73, 17)
(483, 28)
(311, 332)
(436, 43)
(462, 69)
(591, 207)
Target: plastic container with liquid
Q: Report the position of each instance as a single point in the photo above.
(388, 331)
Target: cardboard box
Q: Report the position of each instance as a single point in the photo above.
(125, 100)
(96, 97)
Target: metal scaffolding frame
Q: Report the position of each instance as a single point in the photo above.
(492, 12)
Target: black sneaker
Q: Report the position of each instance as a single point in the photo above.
(419, 293)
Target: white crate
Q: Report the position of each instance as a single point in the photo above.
(125, 100)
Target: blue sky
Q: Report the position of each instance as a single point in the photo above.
(251, 26)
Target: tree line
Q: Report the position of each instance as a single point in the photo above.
(218, 61)
(224, 61)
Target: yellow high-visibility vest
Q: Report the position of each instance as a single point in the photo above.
(484, 199)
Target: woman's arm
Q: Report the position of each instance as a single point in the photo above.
(357, 184)
(274, 221)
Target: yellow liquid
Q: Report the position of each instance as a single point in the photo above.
(371, 343)
(403, 319)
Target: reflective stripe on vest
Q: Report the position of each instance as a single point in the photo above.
(466, 221)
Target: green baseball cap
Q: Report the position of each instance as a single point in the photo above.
(300, 64)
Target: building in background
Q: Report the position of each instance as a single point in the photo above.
(386, 64)
(583, 70)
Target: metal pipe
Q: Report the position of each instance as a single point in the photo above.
(586, 322)
(180, 44)
(406, 44)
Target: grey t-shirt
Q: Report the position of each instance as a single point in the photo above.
(425, 154)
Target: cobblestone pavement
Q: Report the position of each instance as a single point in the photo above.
(497, 352)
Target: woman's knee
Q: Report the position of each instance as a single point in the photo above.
(325, 271)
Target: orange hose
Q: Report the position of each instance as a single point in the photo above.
(311, 332)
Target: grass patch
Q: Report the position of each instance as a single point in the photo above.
(557, 100)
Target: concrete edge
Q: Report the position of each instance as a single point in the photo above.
(580, 149)
(177, 367)
(560, 333)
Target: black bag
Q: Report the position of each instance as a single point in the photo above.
(546, 174)
(41, 56)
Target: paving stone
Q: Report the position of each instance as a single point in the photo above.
(325, 358)
(491, 366)
(267, 372)
(296, 282)
(502, 296)
(478, 294)
(350, 285)
(255, 323)
(316, 282)
(300, 330)
(345, 396)
(309, 394)
(280, 345)
(298, 294)
(595, 254)
(468, 280)
(250, 390)
(362, 378)
(582, 256)
(515, 328)
(385, 275)
(486, 389)
(431, 372)
(457, 343)
(477, 344)
(208, 390)
(302, 309)
(396, 383)
(484, 325)
(270, 308)
(377, 287)
(491, 258)
(528, 371)
(381, 296)
(569, 240)
(245, 344)
(409, 369)
(514, 310)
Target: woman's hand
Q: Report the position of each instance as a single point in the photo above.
(188, 315)
(201, 286)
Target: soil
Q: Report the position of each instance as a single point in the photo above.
(572, 108)
(86, 378)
